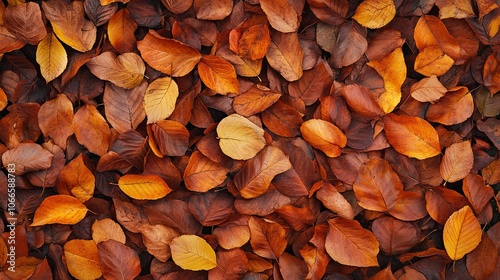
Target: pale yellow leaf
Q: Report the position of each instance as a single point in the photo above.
(160, 98)
(239, 137)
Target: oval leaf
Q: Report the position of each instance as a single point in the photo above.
(218, 74)
(82, 259)
(126, 70)
(428, 89)
(55, 119)
(461, 233)
(281, 15)
(348, 243)
(118, 261)
(457, 162)
(106, 229)
(91, 129)
(124, 107)
(27, 157)
(267, 238)
(52, 57)
(192, 252)
(160, 98)
(156, 238)
(324, 136)
(168, 138)
(121, 28)
(76, 179)
(59, 209)
(375, 13)
(285, 55)
(150, 187)
(239, 137)
(411, 136)
(202, 174)
(255, 100)
(453, 108)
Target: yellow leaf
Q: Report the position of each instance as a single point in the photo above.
(218, 74)
(148, 187)
(457, 162)
(107, 229)
(160, 98)
(324, 136)
(462, 233)
(192, 252)
(375, 13)
(52, 57)
(239, 137)
(392, 69)
(126, 70)
(82, 259)
(59, 209)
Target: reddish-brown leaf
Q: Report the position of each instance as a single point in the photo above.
(333, 200)
(24, 21)
(281, 15)
(331, 12)
(202, 174)
(285, 55)
(312, 85)
(156, 239)
(212, 9)
(361, 101)
(91, 129)
(233, 233)
(282, 119)
(477, 192)
(118, 261)
(267, 238)
(177, 6)
(27, 157)
(168, 138)
(231, 264)
(255, 100)
(453, 108)
(457, 161)
(481, 261)
(55, 119)
(441, 203)
(351, 44)
(218, 74)
(211, 208)
(395, 236)
(77, 179)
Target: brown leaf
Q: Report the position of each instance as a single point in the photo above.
(281, 15)
(231, 264)
(282, 119)
(430, 31)
(395, 237)
(350, 45)
(25, 22)
(361, 101)
(333, 200)
(212, 9)
(27, 157)
(453, 108)
(126, 70)
(218, 74)
(441, 203)
(255, 100)
(255, 176)
(20, 124)
(121, 28)
(156, 239)
(168, 138)
(211, 208)
(490, 72)
(333, 13)
(285, 55)
(167, 55)
(477, 192)
(312, 85)
(267, 238)
(91, 129)
(324, 136)
(202, 174)
(70, 25)
(177, 6)
(106, 229)
(233, 233)
(55, 119)
(118, 261)
(99, 14)
(428, 89)
(481, 261)
(251, 38)
(350, 244)
(410, 207)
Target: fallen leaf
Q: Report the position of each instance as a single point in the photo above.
(177, 6)
(477, 192)
(91, 129)
(118, 261)
(453, 108)
(333, 13)
(324, 136)
(462, 233)
(454, 9)
(76, 179)
(362, 101)
(432, 61)
(59, 209)
(55, 119)
(285, 55)
(168, 138)
(82, 259)
(202, 174)
(350, 45)
(281, 15)
(431, 31)
(157, 238)
(148, 187)
(457, 162)
(255, 100)
(231, 264)
(27, 157)
(192, 252)
(267, 238)
(395, 236)
(107, 229)
(333, 200)
(428, 89)
(212, 9)
(124, 107)
(482, 260)
(24, 21)
(239, 137)
(160, 98)
(211, 208)
(218, 74)
(52, 57)
(375, 13)
(411, 136)
(125, 70)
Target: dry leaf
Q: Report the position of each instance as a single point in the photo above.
(107, 229)
(76, 179)
(27, 157)
(267, 238)
(149, 187)
(281, 15)
(91, 129)
(59, 209)
(428, 89)
(240, 138)
(255, 100)
(457, 162)
(82, 258)
(121, 28)
(202, 174)
(124, 107)
(462, 233)
(160, 98)
(156, 238)
(126, 70)
(118, 261)
(218, 74)
(324, 136)
(193, 253)
(55, 119)
(453, 108)
(375, 13)
(24, 21)
(212, 9)
(52, 57)
(285, 55)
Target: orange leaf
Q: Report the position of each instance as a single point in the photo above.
(149, 187)
(453, 108)
(361, 101)
(490, 71)
(282, 119)
(312, 85)
(428, 89)
(411, 136)
(3, 99)
(156, 238)
(244, 67)
(52, 57)
(91, 129)
(461, 233)
(251, 38)
(234, 233)
(410, 207)
(126, 70)
(239, 137)
(27, 157)
(377, 186)
(442, 202)
(333, 13)
(82, 259)
(55, 119)
(375, 13)
(69, 24)
(348, 243)
(455, 9)
(202, 174)
(267, 238)
(106, 229)
(324, 136)
(255, 100)
(433, 61)
(213, 9)
(218, 74)
(59, 209)
(333, 200)
(257, 173)
(477, 192)
(121, 28)
(431, 31)
(167, 55)
(76, 179)
(281, 15)
(285, 55)
(230, 265)
(392, 69)
(124, 107)
(457, 162)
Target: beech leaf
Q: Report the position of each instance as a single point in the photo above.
(193, 253)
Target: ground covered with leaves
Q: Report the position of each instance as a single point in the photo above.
(271, 139)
